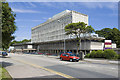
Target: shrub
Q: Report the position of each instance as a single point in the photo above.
(99, 54)
(110, 54)
(92, 54)
(87, 55)
(107, 54)
(118, 56)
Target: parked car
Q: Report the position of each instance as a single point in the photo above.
(48, 54)
(40, 53)
(3, 53)
(34, 53)
(69, 56)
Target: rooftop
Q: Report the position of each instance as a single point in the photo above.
(25, 43)
(58, 16)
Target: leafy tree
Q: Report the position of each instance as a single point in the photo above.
(0, 26)
(25, 40)
(110, 34)
(77, 29)
(8, 25)
(90, 29)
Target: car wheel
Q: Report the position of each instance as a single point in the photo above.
(71, 60)
(77, 60)
(61, 59)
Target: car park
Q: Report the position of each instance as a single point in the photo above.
(34, 53)
(48, 53)
(69, 56)
(40, 53)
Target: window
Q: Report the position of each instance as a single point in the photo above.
(72, 55)
(64, 55)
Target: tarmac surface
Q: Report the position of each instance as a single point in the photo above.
(41, 67)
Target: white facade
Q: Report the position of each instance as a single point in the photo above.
(29, 46)
(97, 46)
(114, 45)
(53, 28)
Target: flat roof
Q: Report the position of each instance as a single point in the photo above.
(25, 43)
(61, 14)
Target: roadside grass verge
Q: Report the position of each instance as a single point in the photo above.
(4, 75)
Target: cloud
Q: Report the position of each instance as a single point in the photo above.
(113, 14)
(24, 11)
(110, 5)
(22, 37)
(21, 26)
(32, 4)
(27, 20)
(62, 0)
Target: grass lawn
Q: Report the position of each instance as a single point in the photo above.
(1, 49)
(5, 75)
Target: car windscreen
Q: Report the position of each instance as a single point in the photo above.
(72, 55)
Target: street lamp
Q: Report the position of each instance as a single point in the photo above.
(64, 44)
(64, 35)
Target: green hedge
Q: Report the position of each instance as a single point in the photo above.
(110, 54)
(107, 54)
(118, 56)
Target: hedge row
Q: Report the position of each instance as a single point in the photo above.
(107, 54)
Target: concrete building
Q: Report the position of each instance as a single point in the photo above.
(49, 37)
(24, 47)
(53, 28)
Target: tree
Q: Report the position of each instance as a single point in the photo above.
(8, 25)
(90, 29)
(77, 29)
(104, 32)
(110, 34)
(25, 40)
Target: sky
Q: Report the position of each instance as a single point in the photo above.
(30, 14)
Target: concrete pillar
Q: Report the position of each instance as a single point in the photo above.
(81, 55)
(37, 48)
(57, 52)
(49, 51)
(85, 52)
(90, 51)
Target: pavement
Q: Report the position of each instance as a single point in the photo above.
(102, 61)
(27, 66)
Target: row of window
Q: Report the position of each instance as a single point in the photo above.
(60, 37)
(54, 24)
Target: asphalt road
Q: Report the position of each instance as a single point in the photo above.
(26, 66)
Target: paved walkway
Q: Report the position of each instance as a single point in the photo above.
(102, 61)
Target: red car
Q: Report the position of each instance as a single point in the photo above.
(69, 56)
(40, 53)
(48, 54)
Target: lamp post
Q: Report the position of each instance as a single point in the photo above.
(64, 44)
(64, 35)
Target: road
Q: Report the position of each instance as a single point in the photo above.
(27, 66)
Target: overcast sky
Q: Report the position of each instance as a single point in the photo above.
(30, 14)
